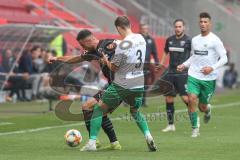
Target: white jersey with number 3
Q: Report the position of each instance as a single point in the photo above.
(130, 57)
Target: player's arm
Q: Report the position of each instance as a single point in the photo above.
(186, 64)
(164, 55)
(113, 67)
(154, 52)
(71, 59)
(66, 59)
(219, 48)
(222, 54)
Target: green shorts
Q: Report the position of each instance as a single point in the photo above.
(203, 89)
(116, 94)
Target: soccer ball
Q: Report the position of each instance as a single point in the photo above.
(73, 138)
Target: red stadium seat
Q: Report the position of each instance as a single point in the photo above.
(64, 15)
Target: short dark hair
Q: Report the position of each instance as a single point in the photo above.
(205, 15)
(179, 20)
(83, 34)
(123, 22)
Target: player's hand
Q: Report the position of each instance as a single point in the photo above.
(52, 59)
(181, 67)
(206, 70)
(104, 59)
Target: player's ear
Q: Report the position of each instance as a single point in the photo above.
(118, 28)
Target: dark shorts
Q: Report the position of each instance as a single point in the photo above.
(179, 82)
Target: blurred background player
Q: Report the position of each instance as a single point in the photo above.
(178, 47)
(230, 77)
(92, 46)
(208, 54)
(150, 50)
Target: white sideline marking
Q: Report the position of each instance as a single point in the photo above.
(5, 123)
(82, 123)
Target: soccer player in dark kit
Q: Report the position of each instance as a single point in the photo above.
(178, 47)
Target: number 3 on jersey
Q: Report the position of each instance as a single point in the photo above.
(139, 59)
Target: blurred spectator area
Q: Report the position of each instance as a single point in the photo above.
(56, 13)
(232, 6)
(27, 24)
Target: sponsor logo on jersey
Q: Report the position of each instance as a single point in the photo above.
(176, 49)
(203, 53)
(182, 43)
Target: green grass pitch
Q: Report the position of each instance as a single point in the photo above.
(28, 132)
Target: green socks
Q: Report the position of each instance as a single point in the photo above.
(96, 122)
(194, 118)
(141, 122)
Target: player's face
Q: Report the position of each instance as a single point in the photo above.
(144, 29)
(179, 29)
(205, 24)
(88, 43)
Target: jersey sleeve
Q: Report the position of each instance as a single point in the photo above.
(119, 56)
(221, 51)
(154, 51)
(118, 59)
(188, 62)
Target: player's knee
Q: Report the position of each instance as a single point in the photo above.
(169, 99)
(185, 100)
(192, 98)
(103, 106)
(202, 107)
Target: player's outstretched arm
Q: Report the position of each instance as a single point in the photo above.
(66, 59)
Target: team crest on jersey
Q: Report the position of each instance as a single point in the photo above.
(205, 45)
(125, 45)
(182, 43)
(170, 42)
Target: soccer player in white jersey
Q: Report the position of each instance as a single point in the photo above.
(208, 54)
(128, 83)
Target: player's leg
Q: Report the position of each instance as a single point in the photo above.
(109, 98)
(193, 89)
(169, 99)
(208, 89)
(87, 109)
(107, 126)
(181, 87)
(170, 113)
(134, 99)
